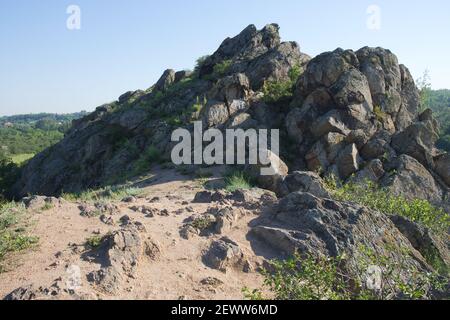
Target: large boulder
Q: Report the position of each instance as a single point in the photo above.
(305, 182)
(230, 88)
(325, 70)
(269, 176)
(166, 80)
(224, 254)
(306, 224)
(418, 141)
(412, 180)
(215, 114)
(381, 68)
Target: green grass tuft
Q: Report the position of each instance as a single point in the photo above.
(236, 180)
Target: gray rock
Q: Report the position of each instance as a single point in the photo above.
(166, 80)
(225, 220)
(417, 141)
(275, 172)
(216, 113)
(330, 122)
(230, 88)
(317, 157)
(123, 250)
(181, 75)
(152, 249)
(432, 247)
(305, 182)
(372, 171)
(443, 167)
(352, 88)
(242, 121)
(304, 223)
(348, 161)
(223, 254)
(412, 180)
(203, 197)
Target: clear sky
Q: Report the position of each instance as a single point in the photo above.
(126, 45)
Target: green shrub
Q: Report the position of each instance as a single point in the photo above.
(149, 157)
(14, 242)
(47, 206)
(304, 279)
(325, 278)
(379, 113)
(382, 200)
(94, 242)
(275, 91)
(222, 68)
(202, 223)
(200, 62)
(9, 174)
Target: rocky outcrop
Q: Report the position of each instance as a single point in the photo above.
(307, 224)
(352, 114)
(412, 180)
(122, 250)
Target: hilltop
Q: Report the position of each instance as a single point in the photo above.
(361, 184)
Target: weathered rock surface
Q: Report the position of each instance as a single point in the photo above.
(306, 224)
(305, 182)
(123, 250)
(412, 180)
(350, 110)
(223, 254)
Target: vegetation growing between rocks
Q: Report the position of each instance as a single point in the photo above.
(94, 242)
(237, 180)
(325, 278)
(150, 156)
(12, 235)
(374, 197)
(275, 91)
(222, 68)
(439, 102)
(103, 194)
(9, 173)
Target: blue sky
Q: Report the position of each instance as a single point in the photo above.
(126, 45)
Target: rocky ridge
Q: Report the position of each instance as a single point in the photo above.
(355, 115)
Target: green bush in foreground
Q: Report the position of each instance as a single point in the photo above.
(12, 237)
(324, 278)
(303, 279)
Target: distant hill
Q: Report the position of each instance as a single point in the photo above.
(22, 136)
(29, 119)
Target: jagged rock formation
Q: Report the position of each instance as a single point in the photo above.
(307, 224)
(353, 114)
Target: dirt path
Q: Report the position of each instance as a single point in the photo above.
(176, 274)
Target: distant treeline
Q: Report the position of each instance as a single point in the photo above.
(23, 136)
(33, 118)
(439, 102)
(32, 133)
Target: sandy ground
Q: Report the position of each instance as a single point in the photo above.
(178, 273)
